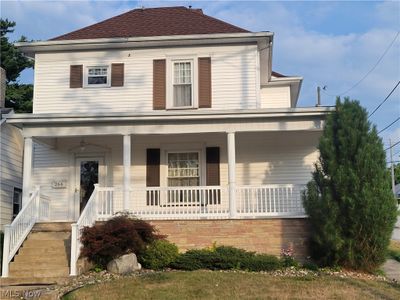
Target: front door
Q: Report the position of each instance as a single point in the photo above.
(89, 171)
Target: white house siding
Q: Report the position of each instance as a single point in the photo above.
(275, 157)
(262, 158)
(11, 150)
(234, 79)
(275, 97)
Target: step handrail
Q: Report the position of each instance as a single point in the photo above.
(16, 232)
(87, 218)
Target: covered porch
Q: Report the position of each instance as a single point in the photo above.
(164, 166)
(176, 176)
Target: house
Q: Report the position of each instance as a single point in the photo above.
(174, 116)
(11, 151)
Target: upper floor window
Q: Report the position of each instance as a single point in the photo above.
(182, 84)
(97, 76)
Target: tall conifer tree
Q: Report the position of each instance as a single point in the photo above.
(351, 207)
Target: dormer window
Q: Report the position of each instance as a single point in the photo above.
(97, 76)
(182, 84)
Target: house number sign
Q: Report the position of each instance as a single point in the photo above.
(59, 184)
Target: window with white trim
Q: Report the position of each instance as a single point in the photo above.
(183, 169)
(182, 84)
(98, 76)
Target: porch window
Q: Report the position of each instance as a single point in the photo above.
(17, 202)
(183, 169)
(97, 76)
(182, 84)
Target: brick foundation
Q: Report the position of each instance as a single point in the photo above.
(260, 235)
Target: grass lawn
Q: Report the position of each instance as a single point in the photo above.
(219, 285)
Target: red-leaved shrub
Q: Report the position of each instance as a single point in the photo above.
(118, 236)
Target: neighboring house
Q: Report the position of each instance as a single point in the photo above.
(11, 150)
(179, 119)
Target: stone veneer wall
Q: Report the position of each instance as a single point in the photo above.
(260, 235)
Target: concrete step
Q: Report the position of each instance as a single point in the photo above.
(52, 226)
(45, 243)
(31, 281)
(28, 258)
(53, 251)
(17, 266)
(48, 235)
(37, 273)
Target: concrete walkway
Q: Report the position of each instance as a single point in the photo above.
(396, 231)
(392, 269)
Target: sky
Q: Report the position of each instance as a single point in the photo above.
(329, 43)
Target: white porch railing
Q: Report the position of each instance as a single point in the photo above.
(270, 200)
(196, 202)
(180, 202)
(36, 209)
(100, 206)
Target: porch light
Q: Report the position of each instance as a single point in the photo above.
(82, 145)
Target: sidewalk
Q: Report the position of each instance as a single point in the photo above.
(392, 269)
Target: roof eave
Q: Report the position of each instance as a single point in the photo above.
(30, 48)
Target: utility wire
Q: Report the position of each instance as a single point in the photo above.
(384, 100)
(370, 71)
(398, 142)
(389, 125)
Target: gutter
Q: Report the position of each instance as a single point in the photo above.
(132, 42)
(168, 116)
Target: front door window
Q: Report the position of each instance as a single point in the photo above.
(89, 176)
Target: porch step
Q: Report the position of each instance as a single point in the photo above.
(52, 227)
(12, 281)
(49, 235)
(51, 271)
(44, 254)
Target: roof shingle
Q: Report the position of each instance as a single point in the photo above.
(146, 22)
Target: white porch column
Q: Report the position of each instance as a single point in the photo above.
(127, 170)
(232, 174)
(27, 171)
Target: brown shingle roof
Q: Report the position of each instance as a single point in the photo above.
(154, 22)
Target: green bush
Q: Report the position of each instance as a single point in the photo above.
(310, 266)
(350, 206)
(225, 258)
(193, 260)
(261, 262)
(159, 255)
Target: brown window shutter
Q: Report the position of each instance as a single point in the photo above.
(117, 74)
(212, 166)
(152, 176)
(159, 84)
(212, 174)
(204, 82)
(153, 167)
(76, 76)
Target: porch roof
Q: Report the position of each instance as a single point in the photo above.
(20, 119)
(165, 122)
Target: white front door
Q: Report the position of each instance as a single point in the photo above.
(88, 171)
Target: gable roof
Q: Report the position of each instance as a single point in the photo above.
(162, 21)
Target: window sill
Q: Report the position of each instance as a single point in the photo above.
(96, 86)
(181, 108)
